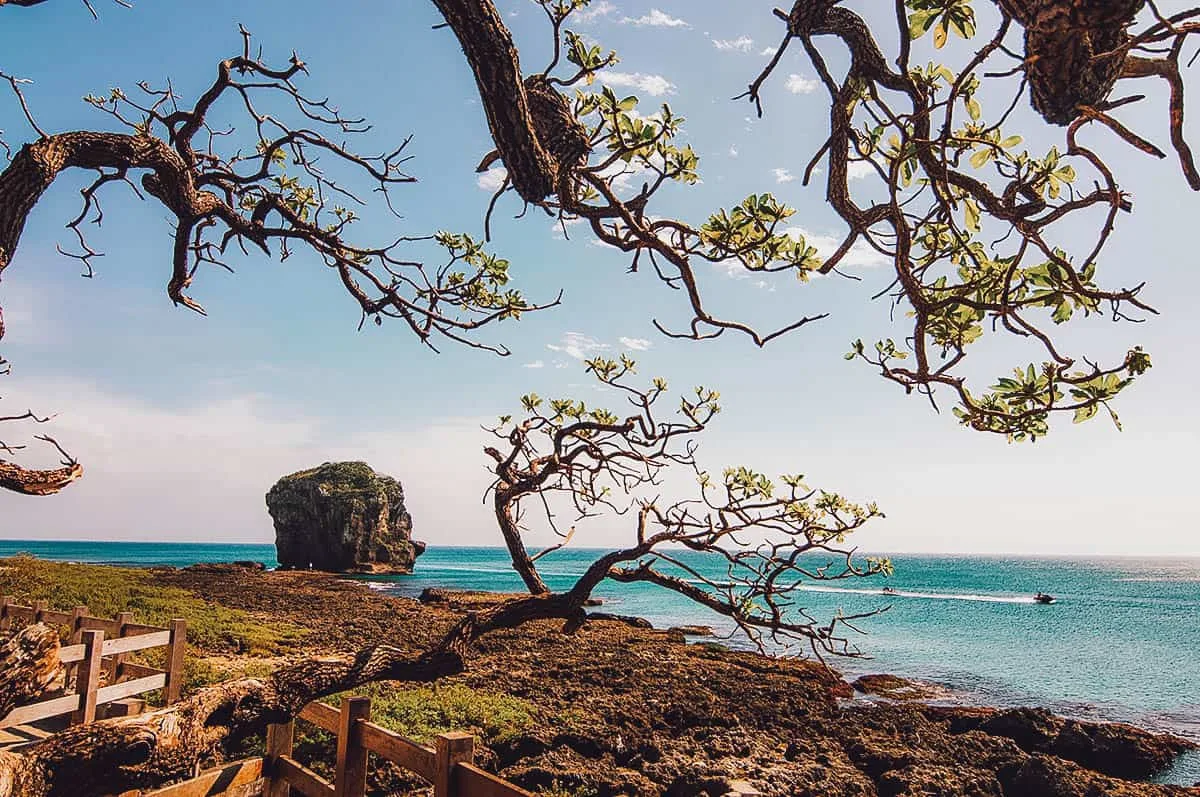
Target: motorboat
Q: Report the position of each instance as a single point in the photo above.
(1042, 597)
(890, 591)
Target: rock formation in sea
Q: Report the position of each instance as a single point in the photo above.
(342, 517)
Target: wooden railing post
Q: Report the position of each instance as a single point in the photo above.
(5, 617)
(350, 774)
(114, 665)
(77, 615)
(175, 655)
(88, 679)
(39, 607)
(452, 749)
(279, 743)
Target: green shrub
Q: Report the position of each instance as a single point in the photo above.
(108, 590)
(421, 713)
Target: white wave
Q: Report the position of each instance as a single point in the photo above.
(944, 596)
(425, 568)
(1162, 579)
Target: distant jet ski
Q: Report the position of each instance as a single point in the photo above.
(890, 591)
(1042, 597)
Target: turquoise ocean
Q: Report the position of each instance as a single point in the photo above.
(1122, 641)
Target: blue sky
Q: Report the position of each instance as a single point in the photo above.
(184, 422)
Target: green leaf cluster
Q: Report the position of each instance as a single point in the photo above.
(749, 233)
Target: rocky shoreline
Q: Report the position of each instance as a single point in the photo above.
(621, 709)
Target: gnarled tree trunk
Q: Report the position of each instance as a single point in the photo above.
(29, 665)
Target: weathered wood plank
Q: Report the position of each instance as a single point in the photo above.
(127, 644)
(400, 750)
(89, 677)
(124, 707)
(452, 749)
(50, 617)
(322, 715)
(23, 734)
(109, 627)
(350, 779)
(118, 656)
(469, 779)
(107, 694)
(71, 653)
(40, 711)
(134, 670)
(213, 782)
(178, 642)
(279, 745)
(303, 779)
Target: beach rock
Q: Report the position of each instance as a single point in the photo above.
(342, 517)
(691, 630)
(1114, 749)
(893, 687)
(636, 622)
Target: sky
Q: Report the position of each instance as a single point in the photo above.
(184, 422)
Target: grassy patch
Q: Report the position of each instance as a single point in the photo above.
(421, 713)
(109, 590)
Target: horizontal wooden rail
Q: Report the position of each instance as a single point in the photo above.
(471, 781)
(107, 694)
(400, 750)
(303, 779)
(113, 647)
(134, 670)
(223, 780)
(40, 711)
(322, 715)
(99, 647)
(448, 766)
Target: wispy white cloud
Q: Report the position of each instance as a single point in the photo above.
(733, 152)
(595, 11)
(637, 344)
(767, 51)
(861, 254)
(741, 44)
(857, 170)
(783, 175)
(656, 19)
(798, 84)
(534, 364)
(559, 227)
(492, 179)
(654, 85)
(578, 345)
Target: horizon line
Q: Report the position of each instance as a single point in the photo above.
(996, 554)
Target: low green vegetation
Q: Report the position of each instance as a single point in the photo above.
(421, 713)
(109, 590)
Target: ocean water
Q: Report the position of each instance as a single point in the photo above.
(1122, 641)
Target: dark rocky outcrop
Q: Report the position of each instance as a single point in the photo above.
(894, 687)
(1111, 748)
(342, 517)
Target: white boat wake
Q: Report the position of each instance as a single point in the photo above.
(944, 596)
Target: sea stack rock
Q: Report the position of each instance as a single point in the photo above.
(342, 517)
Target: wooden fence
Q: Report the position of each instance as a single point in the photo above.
(94, 659)
(448, 765)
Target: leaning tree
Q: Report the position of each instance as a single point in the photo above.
(974, 224)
